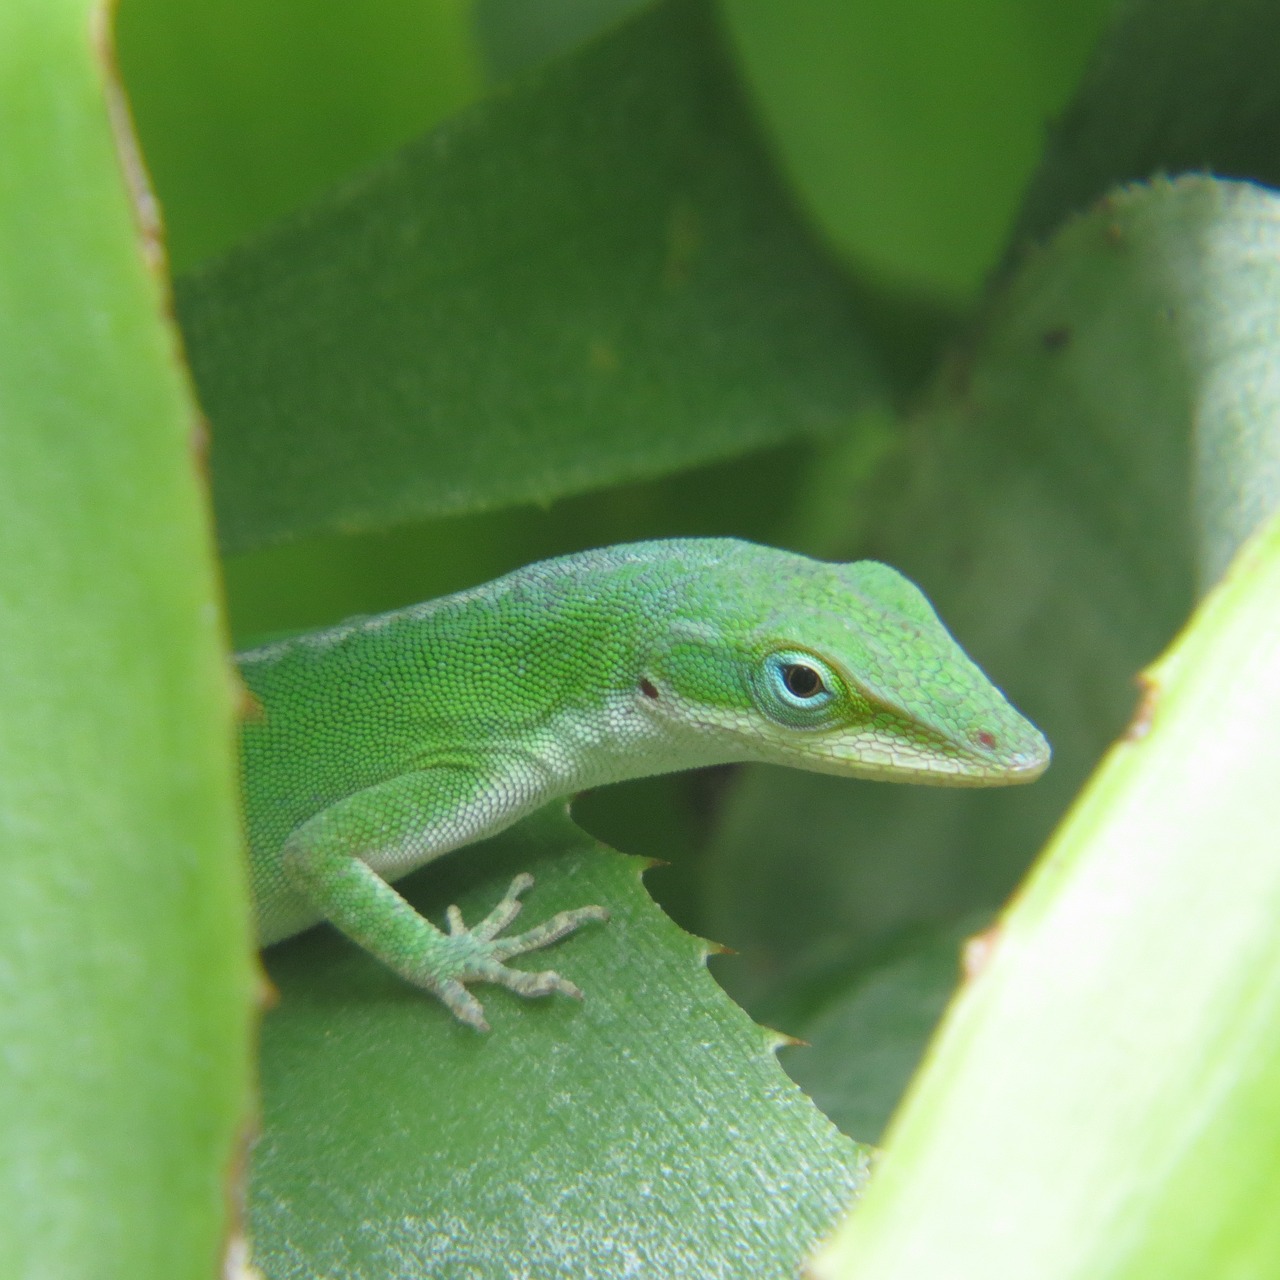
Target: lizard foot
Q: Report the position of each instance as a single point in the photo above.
(478, 954)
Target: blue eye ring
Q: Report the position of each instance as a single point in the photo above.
(798, 688)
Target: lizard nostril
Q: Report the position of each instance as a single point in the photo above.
(985, 738)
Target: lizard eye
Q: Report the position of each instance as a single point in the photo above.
(802, 680)
(797, 688)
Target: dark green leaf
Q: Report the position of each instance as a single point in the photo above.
(516, 35)
(865, 1039)
(596, 277)
(1175, 85)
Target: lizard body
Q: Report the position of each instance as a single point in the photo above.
(386, 742)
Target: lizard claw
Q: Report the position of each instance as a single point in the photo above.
(479, 956)
(461, 1003)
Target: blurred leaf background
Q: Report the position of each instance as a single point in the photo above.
(466, 283)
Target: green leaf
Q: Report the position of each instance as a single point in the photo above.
(647, 1130)
(1045, 504)
(593, 278)
(246, 110)
(911, 128)
(1112, 1080)
(516, 35)
(1175, 85)
(865, 1038)
(126, 976)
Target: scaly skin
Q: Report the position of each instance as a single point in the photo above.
(386, 742)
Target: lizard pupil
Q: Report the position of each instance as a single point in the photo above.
(801, 681)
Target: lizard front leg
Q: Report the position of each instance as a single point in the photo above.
(335, 858)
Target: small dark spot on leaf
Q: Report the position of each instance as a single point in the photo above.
(647, 688)
(1056, 339)
(602, 356)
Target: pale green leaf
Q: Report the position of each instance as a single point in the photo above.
(126, 977)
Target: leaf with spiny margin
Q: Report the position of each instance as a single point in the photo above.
(594, 277)
(648, 1129)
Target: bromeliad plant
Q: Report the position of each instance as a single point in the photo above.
(713, 271)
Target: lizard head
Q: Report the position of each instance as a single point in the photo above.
(838, 668)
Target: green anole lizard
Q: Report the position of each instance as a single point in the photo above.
(385, 742)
